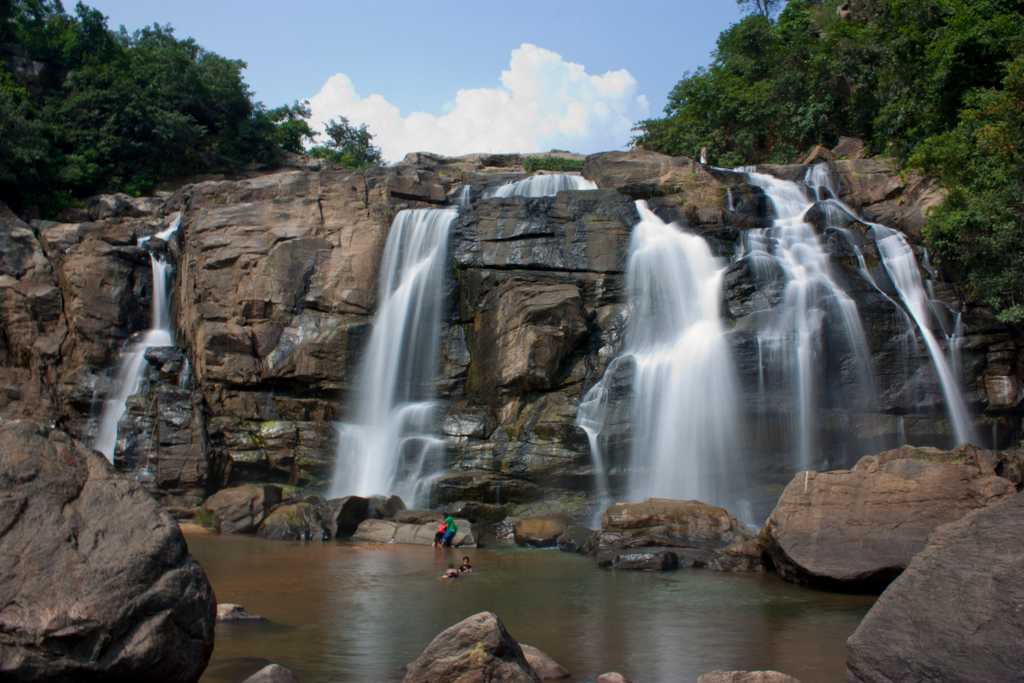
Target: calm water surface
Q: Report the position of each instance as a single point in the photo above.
(345, 612)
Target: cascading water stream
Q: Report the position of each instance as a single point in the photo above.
(810, 299)
(388, 446)
(684, 397)
(917, 295)
(901, 265)
(544, 185)
(129, 372)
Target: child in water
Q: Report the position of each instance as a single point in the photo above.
(465, 567)
(450, 573)
(439, 536)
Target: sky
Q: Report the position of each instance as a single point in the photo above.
(457, 77)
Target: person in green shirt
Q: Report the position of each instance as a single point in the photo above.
(450, 529)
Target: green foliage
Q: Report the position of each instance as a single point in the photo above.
(101, 110)
(347, 145)
(549, 163)
(979, 229)
(765, 8)
(920, 79)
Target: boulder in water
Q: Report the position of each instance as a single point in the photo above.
(955, 613)
(640, 559)
(746, 677)
(478, 648)
(227, 611)
(302, 521)
(97, 581)
(543, 664)
(241, 509)
(389, 531)
(858, 529)
(612, 677)
(540, 532)
(272, 673)
(344, 515)
(575, 539)
(699, 534)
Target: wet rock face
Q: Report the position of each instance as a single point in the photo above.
(954, 614)
(135, 605)
(478, 648)
(858, 529)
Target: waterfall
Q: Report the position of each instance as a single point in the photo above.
(684, 396)
(591, 417)
(901, 265)
(812, 301)
(388, 446)
(129, 372)
(544, 185)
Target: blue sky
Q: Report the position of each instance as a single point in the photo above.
(418, 56)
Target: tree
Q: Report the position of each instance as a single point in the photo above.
(766, 8)
(291, 126)
(348, 145)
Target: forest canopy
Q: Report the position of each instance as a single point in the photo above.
(86, 109)
(939, 84)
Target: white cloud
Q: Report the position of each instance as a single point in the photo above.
(543, 102)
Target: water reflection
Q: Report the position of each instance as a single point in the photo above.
(358, 613)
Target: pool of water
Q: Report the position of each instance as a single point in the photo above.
(344, 612)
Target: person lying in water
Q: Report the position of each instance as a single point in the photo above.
(450, 573)
(465, 567)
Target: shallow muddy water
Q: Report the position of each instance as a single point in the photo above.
(344, 612)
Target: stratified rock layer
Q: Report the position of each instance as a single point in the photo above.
(955, 614)
(97, 583)
(859, 528)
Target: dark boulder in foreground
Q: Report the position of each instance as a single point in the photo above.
(477, 649)
(955, 614)
(858, 529)
(96, 583)
(647, 535)
(746, 677)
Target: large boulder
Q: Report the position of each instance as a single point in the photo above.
(637, 535)
(412, 533)
(241, 509)
(97, 581)
(955, 613)
(859, 528)
(543, 664)
(478, 649)
(746, 677)
(344, 515)
(540, 532)
(305, 520)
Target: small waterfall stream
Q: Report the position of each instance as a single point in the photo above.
(129, 372)
(900, 264)
(389, 446)
(544, 185)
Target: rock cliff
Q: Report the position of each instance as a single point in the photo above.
(275, 288)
